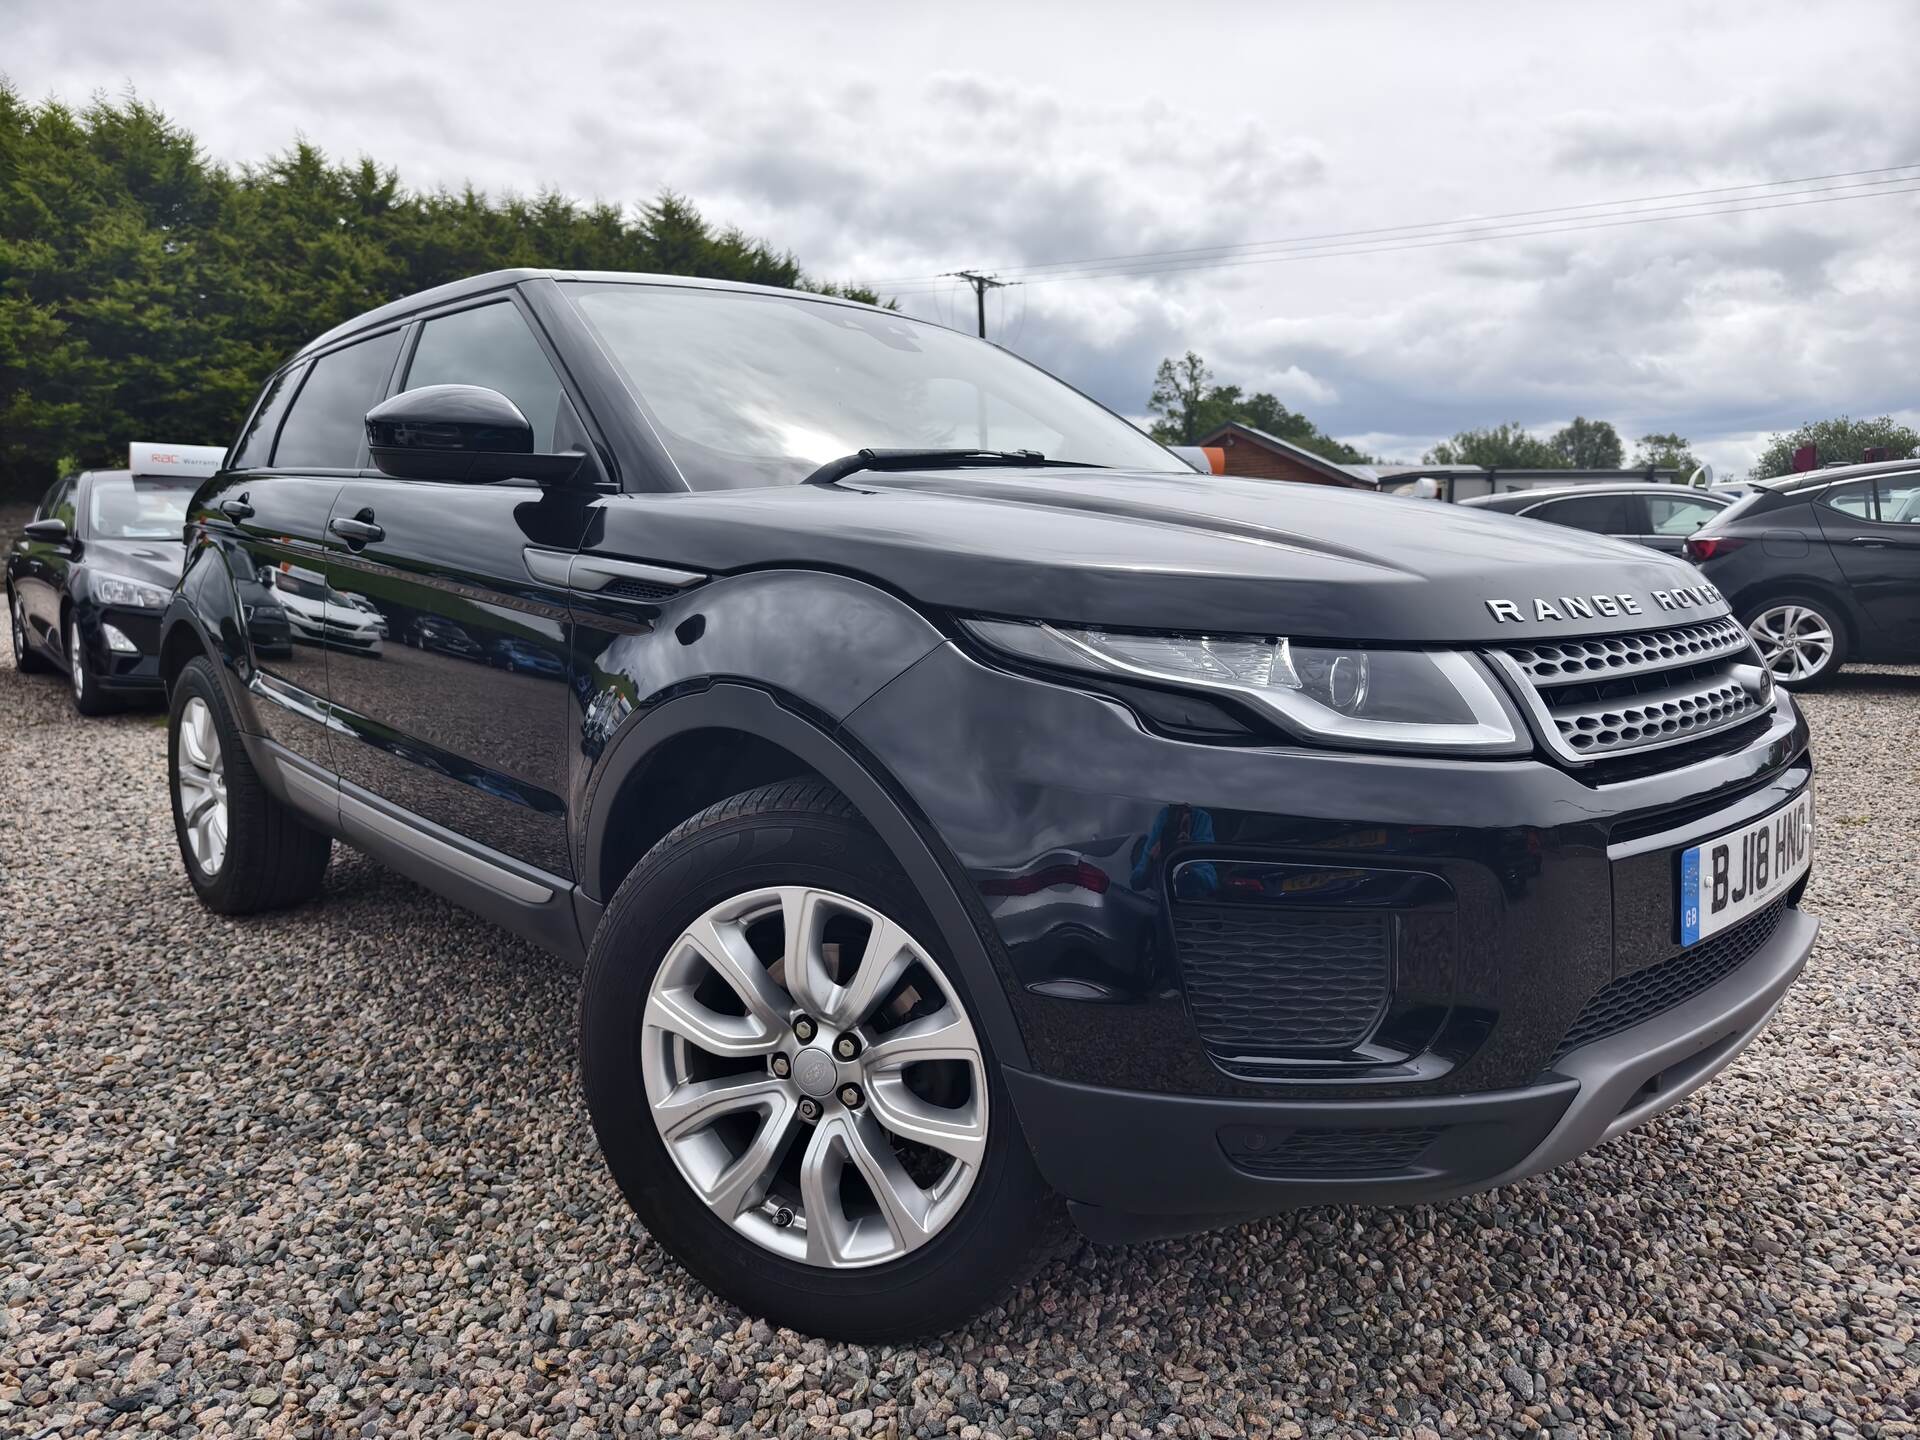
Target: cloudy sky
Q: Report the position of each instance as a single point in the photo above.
(890, 143)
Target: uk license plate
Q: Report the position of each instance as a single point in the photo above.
(1726, 879)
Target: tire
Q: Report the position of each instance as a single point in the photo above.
(267, 858)
(1801, 639)
(26, 659)
(88, 697)
(997, 1218)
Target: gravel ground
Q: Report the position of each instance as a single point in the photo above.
(327, 1173)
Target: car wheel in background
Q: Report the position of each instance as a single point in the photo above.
(788, 1082)
(243, 849)
(88, 698)
(26, 659)
(1801, 640)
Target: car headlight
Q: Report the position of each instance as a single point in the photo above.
(1343, 695)
(119, 590)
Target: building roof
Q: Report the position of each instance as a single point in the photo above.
(1354, 476)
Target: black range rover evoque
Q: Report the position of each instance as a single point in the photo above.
(961, 807)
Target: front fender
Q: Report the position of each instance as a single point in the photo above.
(738, 707)
(205, 614)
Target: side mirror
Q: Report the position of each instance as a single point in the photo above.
(461, 432)
(46, 532)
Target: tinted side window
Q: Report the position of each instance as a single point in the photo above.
(256, 441)
(1854, 498)
(1900, 499)
(1605, 514)
(327, 427)
(1679, 515)
(50, 499)
(491, 346)
(60, 504)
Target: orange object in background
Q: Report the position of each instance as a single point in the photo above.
(1216, 458)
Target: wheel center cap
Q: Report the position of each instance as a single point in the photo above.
(815, 1073)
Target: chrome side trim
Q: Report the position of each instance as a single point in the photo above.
(464, 863)
(549, 567)
(596, 572)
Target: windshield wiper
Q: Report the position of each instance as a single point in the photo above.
(930, 459)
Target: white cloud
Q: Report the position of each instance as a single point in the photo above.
(882, 143)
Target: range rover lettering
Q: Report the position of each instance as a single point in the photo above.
(968, 817)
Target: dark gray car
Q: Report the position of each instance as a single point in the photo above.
(1662, 516)
(1822, 567)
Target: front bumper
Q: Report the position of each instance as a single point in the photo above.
(1140, 887)
(117, 671)
(1136, 1165)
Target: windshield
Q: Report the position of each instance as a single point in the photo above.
(138, 507)
(747, 389)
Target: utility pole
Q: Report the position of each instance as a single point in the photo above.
(981, 284)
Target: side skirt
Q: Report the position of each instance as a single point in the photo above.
(537, 906)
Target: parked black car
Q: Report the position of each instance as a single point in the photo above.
(1660, 516)
(960, 805)
(1822, 567)
(87, 580)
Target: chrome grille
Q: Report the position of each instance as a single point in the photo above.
(1562, 661)
(1615, 694)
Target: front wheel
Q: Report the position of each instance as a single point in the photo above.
(1800, 640)
(788, 1082)
(244, 850)
(26, 659)
(88, 698)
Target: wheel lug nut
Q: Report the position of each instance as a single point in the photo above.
(803, 1029)
(809, 1109)
(846, 1047)
(850, 1096)
(782, 1066)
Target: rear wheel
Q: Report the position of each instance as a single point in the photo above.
(88, 698)
(1801, 640)
(788, 1084)
(243, 849)
(26, 659)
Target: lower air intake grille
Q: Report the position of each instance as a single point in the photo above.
(1264, 982)
(1627, 1001)
(1326, 1152)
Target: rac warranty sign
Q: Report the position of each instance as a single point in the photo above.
(1591, 607)
(148, 457)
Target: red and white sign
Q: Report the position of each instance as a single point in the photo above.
(147, 457)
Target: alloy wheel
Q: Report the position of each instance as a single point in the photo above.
(815, 1077)
(19, 629)
(202, 785)
(1795, 642)
(76, 661)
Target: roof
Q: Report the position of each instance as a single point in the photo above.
(1299, 454)
(400, 309)
(1543, 493)
(1803, 478)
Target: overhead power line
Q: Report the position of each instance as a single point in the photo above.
(1512, 225)
(1246, 245)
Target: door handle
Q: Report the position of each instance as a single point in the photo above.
(357, 529)
(1868, 542)
(237, 508)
